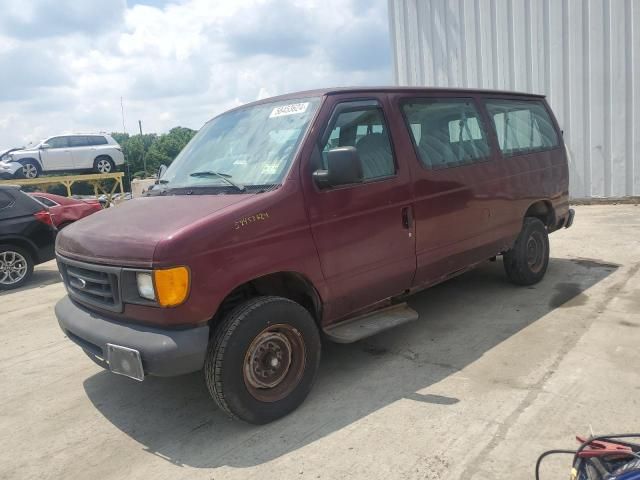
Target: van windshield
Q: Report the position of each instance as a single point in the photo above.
(249, 147)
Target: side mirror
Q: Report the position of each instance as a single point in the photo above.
(343, 168)
(44, 146)
(161, 172)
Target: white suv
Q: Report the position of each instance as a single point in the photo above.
(63, 153)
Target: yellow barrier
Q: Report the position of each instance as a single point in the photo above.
(94, 179)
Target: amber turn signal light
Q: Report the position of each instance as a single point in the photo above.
(172, 286)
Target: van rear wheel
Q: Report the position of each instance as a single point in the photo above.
(526, 263)
(263, 359)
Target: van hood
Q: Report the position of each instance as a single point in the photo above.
(128, 234)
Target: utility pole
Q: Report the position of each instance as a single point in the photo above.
(124, 129)
(124, 132)
(144, 161)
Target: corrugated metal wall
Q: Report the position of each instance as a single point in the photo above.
(583, 54)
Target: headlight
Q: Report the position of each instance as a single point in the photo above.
(145, 286)
(171, 286)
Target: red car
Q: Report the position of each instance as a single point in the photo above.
(65, 211)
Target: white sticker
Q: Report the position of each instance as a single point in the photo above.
(290, 109)
(270, 168)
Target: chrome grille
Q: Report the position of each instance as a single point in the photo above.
(95, 285)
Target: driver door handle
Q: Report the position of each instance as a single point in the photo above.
(407, 218)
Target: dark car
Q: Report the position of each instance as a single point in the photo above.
(312, 212)
(64, 211)
(27, 236)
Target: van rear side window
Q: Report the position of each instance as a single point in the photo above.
(522, 126)
(446, 132)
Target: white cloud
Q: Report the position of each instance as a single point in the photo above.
(43, 18)
(178, 64)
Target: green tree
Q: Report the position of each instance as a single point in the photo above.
(157, 149)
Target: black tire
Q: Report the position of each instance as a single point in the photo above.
(104, 164)
(526, 263)
(232, 362)
(5, 253)
(30, 169)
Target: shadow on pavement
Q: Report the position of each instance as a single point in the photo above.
(460, 320)
(40, 278)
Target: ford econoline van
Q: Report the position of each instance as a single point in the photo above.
(306, 215)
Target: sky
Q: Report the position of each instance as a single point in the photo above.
(65, 65)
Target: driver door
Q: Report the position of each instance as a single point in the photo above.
(363, 233)
(58, 156)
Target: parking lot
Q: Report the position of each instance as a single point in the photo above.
(488, 377)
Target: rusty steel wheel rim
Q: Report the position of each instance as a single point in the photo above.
(536, 251)
(274, 363)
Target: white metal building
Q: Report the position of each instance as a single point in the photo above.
(583, 54)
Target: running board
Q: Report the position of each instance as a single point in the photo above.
(369, 324)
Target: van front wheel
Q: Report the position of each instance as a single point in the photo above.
(263, 359)
(526, 263)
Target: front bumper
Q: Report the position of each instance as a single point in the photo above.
(8, 170)
(164, 352)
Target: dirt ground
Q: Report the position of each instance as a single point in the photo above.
(488, 377)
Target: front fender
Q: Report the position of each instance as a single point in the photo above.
(34, 159)
(9, 169)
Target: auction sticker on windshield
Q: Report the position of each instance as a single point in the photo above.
(290, 109)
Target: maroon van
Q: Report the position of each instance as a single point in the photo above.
(313, 212)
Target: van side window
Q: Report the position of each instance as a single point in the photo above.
(364, 128)
(522, 126)
(446, 132)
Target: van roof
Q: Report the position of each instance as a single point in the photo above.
(391, 89)
(388, 89)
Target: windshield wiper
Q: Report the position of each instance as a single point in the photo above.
(268, 187)
(223, 176)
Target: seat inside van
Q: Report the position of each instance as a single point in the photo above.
(450, 137)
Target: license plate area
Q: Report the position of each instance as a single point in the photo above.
(125, 361)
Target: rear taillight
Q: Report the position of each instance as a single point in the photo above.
(44, 217)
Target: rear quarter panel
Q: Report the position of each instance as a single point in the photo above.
(525, 179)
